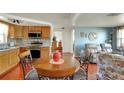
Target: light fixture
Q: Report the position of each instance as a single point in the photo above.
(15, 21)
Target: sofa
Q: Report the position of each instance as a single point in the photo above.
(108, 49)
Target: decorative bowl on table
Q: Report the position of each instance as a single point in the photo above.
(61, 61)
(56, 58)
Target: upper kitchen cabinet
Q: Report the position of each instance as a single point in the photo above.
(35, 28)
(44, 29)
(38, 28)
(32, 28)
(18, 31)
(25, 32)
(46, 32)
(11, 31)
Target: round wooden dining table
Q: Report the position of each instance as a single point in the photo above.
(69, 67)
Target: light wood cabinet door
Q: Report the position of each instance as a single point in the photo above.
(14, 56)
(11, 57)
(8, 59)
(11, 31)
(31, 28)
(17, 51)
(18, 31)
(25, 32)
(35, 28)
(46, 33)
(45, 51)
(0, 63)
(4, 61)
(38, 28)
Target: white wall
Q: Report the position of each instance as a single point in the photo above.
(72, 40)
(67, 41)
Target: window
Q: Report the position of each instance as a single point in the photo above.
(120, 37)
(3, 33)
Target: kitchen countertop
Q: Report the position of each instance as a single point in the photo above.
(10, 48)
(30, 45)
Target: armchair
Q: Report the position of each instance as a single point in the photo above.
(91, 47)
(90, 54)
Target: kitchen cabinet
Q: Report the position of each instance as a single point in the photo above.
(11, 31)
(38, 28)
(0, 63)
(18, 31)
(4, 61)
(25, 32)
(31, 28)
(8, 59)
(45, 52)
(46, 32)
(35, 28)
(13, 56)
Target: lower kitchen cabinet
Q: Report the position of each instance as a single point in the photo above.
(4, 61)
(45, 52)
(13, 55)
(8, 59)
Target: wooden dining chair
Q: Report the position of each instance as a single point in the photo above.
(29, 71)
(26, 55)
(80, 75)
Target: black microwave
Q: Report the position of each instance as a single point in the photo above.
(34, 35)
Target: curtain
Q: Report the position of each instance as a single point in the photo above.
(120, 37)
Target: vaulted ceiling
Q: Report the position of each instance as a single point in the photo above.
(64, 21)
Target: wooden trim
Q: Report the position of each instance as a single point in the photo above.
(8, 71)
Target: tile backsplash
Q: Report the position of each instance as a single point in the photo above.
(19, 41)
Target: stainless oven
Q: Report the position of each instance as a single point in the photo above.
(35, 52)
